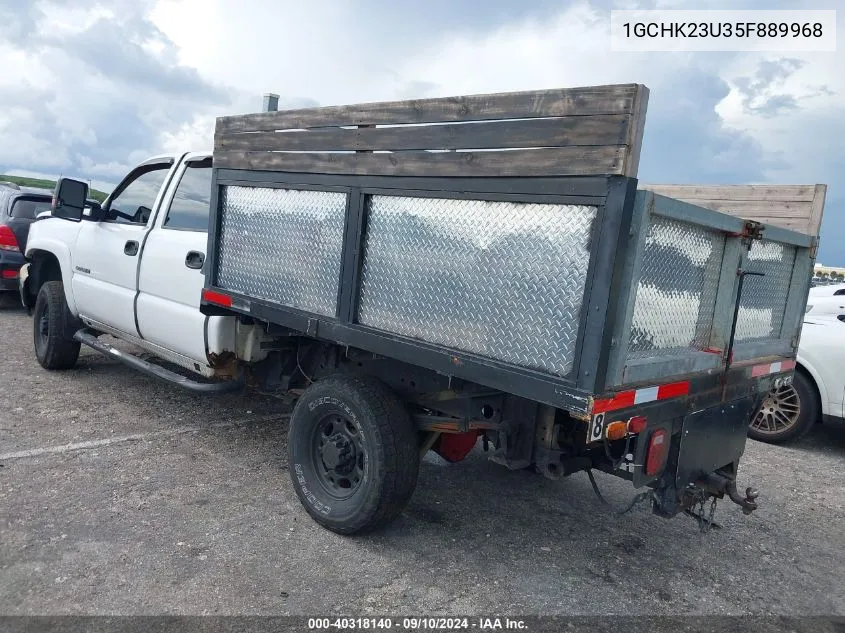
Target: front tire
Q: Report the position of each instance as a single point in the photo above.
(50, 325)
(787, 413)
(353, 454)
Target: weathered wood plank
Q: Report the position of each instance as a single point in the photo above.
(560, 161)
(634, 140)
(818, 209)
(612, 129)
(776, 208)
(612, 99)
(798, 193)
(796, 207)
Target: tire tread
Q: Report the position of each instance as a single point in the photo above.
(397, 449)
(61, 352)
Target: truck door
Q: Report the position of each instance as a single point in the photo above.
(106, 254)
(171, 277)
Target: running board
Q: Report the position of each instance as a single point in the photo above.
(151, 369)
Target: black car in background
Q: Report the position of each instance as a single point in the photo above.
(19, 206)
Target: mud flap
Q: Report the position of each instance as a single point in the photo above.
(712, 438)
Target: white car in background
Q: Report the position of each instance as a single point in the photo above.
(827, 299)
(817, 392)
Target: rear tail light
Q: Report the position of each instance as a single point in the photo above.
(8, 241)
(9, 273)
(637, 424)
(658, 450)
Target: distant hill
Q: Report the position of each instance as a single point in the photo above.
(99, 196)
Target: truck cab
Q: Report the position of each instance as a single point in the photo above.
(133, 267)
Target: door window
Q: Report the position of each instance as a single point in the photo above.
(190, 207)
(134, 202)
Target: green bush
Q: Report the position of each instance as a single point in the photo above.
(43, 183)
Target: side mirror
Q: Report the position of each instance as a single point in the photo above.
(93, 210)
(69, 199)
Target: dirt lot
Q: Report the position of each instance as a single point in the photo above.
(122, 495)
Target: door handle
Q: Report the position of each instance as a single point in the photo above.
(131, 248)
(194, 259)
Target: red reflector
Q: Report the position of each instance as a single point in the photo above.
(658, 449)
(672, 390)
(759, 370)
(9, 274)
(619, 401)
(627, 399)
(217, 297)
(8, 241)
(637, 424)
(772, 368)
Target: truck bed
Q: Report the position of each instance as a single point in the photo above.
(540, 271)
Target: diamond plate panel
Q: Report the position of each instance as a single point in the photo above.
(504, 280)
(763, 301)
(676, 295)
(282, 245)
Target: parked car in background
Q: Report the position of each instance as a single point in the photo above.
(18, 208)
(829, 299)
(817, 390)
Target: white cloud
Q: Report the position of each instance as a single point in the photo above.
(155, 75)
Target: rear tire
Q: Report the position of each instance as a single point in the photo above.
(787, 413)
(353, 454)
(51, 323)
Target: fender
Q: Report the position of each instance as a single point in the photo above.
(55, 236)
(807, 366)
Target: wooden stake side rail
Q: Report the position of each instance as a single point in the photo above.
(796, 207)
(564, 132)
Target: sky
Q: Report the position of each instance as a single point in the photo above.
(89, 88)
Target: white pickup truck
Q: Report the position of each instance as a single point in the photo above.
(136, 274)
(412, 300)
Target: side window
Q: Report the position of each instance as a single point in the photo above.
(134, 203)
(839, 292)
(190, 206)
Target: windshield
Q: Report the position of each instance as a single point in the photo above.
(28, 208)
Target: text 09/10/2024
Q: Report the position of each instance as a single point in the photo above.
(421, 623)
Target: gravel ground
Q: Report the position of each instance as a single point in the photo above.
(181, 504)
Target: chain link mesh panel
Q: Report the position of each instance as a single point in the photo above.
(282, 245)
(763, 301)
(676, 294)
(500, 279)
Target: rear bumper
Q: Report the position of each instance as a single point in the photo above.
(10, 262)
(706, 427)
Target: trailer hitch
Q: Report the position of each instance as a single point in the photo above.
(720, 485)
(747, 503)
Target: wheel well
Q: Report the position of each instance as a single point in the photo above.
(44, 267)
(804, 372)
